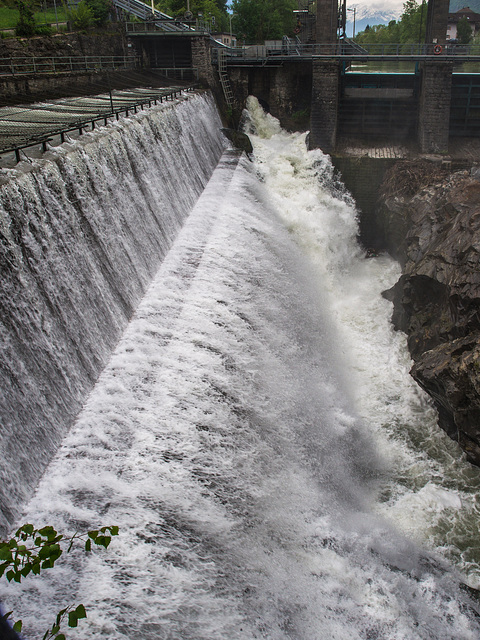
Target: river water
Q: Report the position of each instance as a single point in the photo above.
(274, 470)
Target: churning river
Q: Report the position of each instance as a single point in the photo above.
(274, 470)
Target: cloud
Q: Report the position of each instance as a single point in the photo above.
(378, 5)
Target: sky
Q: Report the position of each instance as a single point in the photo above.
(376, 4)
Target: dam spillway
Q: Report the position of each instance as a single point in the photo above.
(81, 241)
(255, 433)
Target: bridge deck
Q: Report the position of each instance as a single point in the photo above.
(347, 52)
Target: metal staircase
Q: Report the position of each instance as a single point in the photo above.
(224, 79)
(144, 12)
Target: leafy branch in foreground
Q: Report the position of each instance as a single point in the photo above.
(31, 550)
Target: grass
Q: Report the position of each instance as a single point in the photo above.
(9, 17)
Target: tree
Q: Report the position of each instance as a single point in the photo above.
(208, 8)
(259, 20)
(100, 11)
(25, 27)
(464, 31)
(32, 550)
(81, 17)
(409, 29)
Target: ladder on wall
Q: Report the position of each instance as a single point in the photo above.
(224, 79)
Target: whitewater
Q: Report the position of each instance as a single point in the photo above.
(274, 470)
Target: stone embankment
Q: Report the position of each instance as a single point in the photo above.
(431, 224)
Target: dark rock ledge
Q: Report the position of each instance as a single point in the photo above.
(435, 234)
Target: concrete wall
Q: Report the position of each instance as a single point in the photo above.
(111, 42)
(327, 17)
(325, 96)
(437, 19)
(285, 91)
(362, 177)
(30, 88)
(434, 107)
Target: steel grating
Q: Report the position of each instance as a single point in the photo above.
(23, 126)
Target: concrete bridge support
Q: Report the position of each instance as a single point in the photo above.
(434, 107)
(327, 21)
(324, 109)
(437, 19)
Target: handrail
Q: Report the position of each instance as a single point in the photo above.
(64, 64)
(144, 12)
(351, 50)
(163, 26)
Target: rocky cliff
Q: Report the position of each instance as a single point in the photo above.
(431, 223)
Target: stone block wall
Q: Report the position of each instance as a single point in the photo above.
(437, 18)
(434, 107)
(324, 109)
(284, 91)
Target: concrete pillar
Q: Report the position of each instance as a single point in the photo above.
(327, 21)
(434, 107)
(437, 19)
(324, 110)
(202, 60)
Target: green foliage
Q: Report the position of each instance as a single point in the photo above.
(259, 20)
(100, 11)
(409, 29)
(28, 19)
(25, 27)
(464, 31)
(216, 9)
(81, 17)
(31, 550)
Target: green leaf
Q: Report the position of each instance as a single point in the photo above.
(48, 564)
(26, 570)
(50, 552)
(60, 615)
(88, 545)
(81, 611)
(18, 626)
(5, 552)
(61, 636)
(25, 530)
(76, 615)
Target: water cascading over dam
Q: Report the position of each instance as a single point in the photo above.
(255, 434)
(82, 236)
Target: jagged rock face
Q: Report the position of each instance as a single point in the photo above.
(436, 236)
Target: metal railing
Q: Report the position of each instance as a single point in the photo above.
(178, 73)
(162, 26)
(64, 64)
(144, 12)
(350, 50)
(42, 132)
